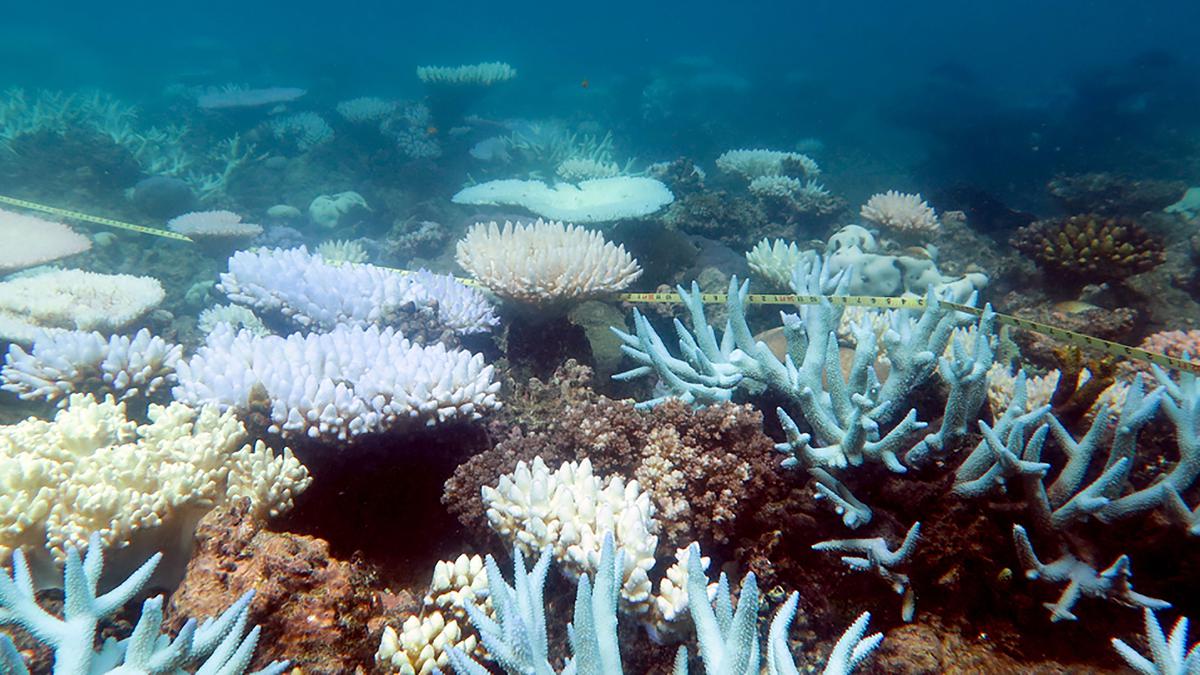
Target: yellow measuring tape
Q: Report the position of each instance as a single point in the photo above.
(75, 215)
(1063, 335)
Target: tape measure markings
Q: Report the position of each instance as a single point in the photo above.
(1062, 334)
(877, 302)
(75, 215)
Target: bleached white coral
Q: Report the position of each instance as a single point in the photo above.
(901, 213)
(314, 294)
(808, 196)
(92, 470)
(422, 642)
(366, 109)
(307, 129)
(74, 299)
(477, 74)
(544, 262)
(236, 316)
(63, 362)
(26, 241)
(338, 385)
(341, 252)
(576, 169)
(214, 224)
(775, 260)
(570, 510)
(752, 164)
(591, 201)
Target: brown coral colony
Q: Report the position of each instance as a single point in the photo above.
(1090, 248)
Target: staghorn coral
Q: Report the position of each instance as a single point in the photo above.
(1090, 248)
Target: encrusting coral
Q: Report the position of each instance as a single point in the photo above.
(1090, 248)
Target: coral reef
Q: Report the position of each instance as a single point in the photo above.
(337, 385)
(218, 645)
(140, 487)
(314, 607)
(1112, 195)
(703, 468)
(27, 241)
(1089, 248)
(567, 264)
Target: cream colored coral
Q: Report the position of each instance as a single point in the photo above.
(342, 251)
(1038, 388)
(93, 470)
(237, 316)
(545, 261)
(570, 510)
(421, 644)
(901, 213)
(774, 260)
(463, 579)
(26, 241)
(671, 603)
(75, 299)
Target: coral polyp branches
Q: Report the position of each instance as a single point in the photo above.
(1090, 248)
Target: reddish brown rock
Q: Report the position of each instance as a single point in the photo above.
(313, 609)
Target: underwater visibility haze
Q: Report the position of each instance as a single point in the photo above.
(633, 337)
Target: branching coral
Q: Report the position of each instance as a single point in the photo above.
(64, 362)
(218, 645)
(854, 416)
(92, 470)
(1090, 248)
(315, 294)
(341, 384)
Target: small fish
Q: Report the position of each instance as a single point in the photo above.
(585, 84)
(1073, 306)
(431, 130)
